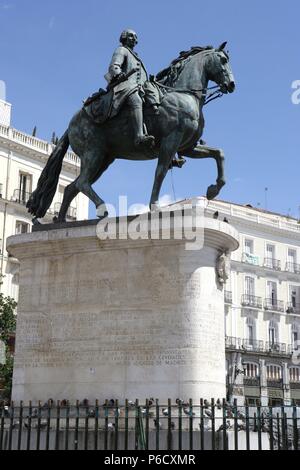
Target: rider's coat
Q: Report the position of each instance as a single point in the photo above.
(125, 60)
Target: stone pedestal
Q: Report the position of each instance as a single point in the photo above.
(119, 318)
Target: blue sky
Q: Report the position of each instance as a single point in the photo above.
(55, 53)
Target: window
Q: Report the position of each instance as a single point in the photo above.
(25, 187)
(292, 257)
(22, 227)
(274, 372)
(250, 329)
(273, 333)
(270, 252)
(272, 293)
(295, 337)
(251, 370)
(294, 296)
(249, 286)
(295, 374)
(249, 247)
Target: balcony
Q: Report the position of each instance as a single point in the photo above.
(275, 383)
(232, 343)
(256, 346)
(21, 197)
(249, 258)
(279, 348)
(293, 309)
(274, 305)
(292, 268)
(251, 301)
(228, 297)
(272, 263)
(71, 214)
(295, 385)
(252, 381)
(252, 345)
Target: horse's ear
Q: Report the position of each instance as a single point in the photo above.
(222, 47)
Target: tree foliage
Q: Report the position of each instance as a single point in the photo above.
(7, 329)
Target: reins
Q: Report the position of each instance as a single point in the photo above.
(208, 99)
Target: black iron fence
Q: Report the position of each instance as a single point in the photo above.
(212, 425)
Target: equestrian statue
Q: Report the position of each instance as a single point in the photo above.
(139, 118)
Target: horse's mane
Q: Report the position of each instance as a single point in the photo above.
(176, 65)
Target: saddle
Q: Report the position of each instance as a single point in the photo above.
(99, 106)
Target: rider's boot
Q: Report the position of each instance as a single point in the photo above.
(140, 139)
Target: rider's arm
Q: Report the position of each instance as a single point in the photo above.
(117, 62)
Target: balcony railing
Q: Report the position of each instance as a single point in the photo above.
(292, 268)
(232, 343)
(275, 383)
(256, 346)
(35, 143)
(21, 197)
(295, 385)
(293, 308)
(274, 305)
(71, 214)
(252, 381)
(279, 348)
(250, 259)
(252, 345)
(251, 301)
(272, 263)
(228, 297)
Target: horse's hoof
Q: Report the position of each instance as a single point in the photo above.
(212, 192)
(35, 221)
(102, 212)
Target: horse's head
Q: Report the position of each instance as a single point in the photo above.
(219, 70)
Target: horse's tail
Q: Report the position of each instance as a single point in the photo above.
(41, 199)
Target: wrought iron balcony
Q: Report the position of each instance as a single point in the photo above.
(279, 348)
(249, 258)
(228, 297)
(257, 346)
(275, 383)
(21, 197)
(295, 385)
(252, 345)
(292, 268)
(251, 301)
(252, 381)
(272, 263)
(274, 305)
(71, 214)
(293, 309)
(232, 343)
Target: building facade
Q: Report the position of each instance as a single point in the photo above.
(262, 306)
(22, 159)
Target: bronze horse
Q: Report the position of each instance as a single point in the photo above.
(177, 130)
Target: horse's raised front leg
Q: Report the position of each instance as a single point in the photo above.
(167, 152)
(218, 155)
